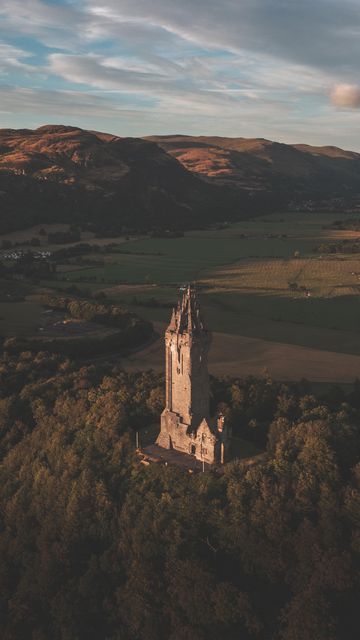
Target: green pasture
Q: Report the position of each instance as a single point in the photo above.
(177, 260)
(172, 261)
(331, 324)
(258, 278)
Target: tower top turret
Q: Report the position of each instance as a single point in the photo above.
(186, 317)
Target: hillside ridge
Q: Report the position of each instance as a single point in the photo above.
(60, 173)
(67, 174)
(258, 163)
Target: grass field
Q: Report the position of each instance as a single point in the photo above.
(260, 279)
(321, 276)
(236, 355)
(175, 260)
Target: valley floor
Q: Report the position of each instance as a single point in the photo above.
(236, 355)
(271, 289)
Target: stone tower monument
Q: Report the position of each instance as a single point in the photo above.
(185, 422)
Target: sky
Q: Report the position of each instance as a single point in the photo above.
(286, 70)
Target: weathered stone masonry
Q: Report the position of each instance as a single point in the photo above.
(185, 422)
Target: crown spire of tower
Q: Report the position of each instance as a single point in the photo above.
(186, 317)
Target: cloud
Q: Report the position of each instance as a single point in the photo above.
(346, 95)
(322, 34)
(238, 67)
(12, 58)
(172, 86)
(40, 101)
(36, 17)
(101, 72)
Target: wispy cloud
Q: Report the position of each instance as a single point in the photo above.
(14, 58)
(252, 67)
(174, 86)
(22, 100)
(50, 22)
(320, 34)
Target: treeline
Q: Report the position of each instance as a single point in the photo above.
(87, 346)
(95, 546)
(108, 314)
(342, 246)
(350, 223)
(64, 237)
(81, 249)
(128, 331)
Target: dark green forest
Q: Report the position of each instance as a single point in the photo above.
(95, 546)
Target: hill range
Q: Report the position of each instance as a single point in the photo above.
(257, 164)
(58, 173)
